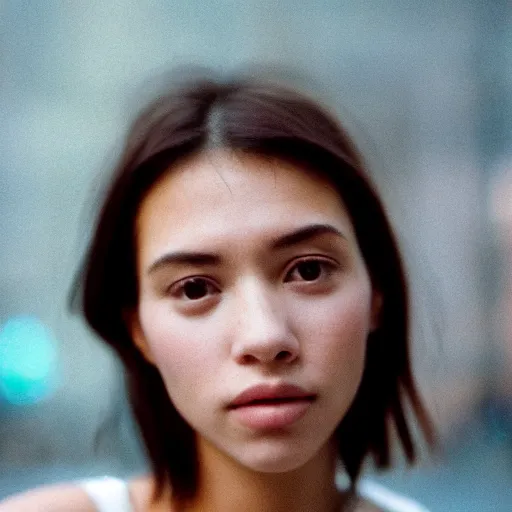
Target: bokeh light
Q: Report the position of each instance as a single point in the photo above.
(28, 361)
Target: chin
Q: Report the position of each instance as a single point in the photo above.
(274, 459)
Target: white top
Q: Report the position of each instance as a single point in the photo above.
(111, 495)
(108, 494)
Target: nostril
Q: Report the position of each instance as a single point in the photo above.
(284, 354)
(266, 357)
(248, 359)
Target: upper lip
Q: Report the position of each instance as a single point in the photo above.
(270, 392)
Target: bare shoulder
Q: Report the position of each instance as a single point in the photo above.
(55, 498)
(142, 490)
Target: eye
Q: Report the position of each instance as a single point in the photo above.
(310, 270)
(193, 288)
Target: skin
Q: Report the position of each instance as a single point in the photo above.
(251, 317)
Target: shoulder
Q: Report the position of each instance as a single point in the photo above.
(104, 493)
(55, 498)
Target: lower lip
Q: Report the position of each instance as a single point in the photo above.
(271, 416)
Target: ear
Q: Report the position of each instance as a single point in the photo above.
(137, 334)
(376, 310)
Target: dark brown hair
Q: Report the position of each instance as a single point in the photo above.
(271, 120)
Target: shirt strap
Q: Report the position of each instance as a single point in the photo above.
(108, 494)
(387, 499)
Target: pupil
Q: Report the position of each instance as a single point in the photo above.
(195, 289)
(309, 270)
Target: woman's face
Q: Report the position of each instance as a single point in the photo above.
(255, 305)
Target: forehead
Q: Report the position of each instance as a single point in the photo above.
(221, 193)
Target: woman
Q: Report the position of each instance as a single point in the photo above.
(244, 271)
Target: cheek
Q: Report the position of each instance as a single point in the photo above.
(338, 328)
(182, 349)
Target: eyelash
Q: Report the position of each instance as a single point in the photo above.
(177, 290)
(327, 266)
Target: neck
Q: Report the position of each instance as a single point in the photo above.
(226, 485)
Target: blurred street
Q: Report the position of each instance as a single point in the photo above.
(426, 90)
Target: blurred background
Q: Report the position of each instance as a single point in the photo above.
(425, 87)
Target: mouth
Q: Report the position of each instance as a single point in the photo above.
(271, 407)
(274, 401)
(271, 394)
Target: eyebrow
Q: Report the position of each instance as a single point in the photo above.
(185, 258)
(304, 234)
(196, 258)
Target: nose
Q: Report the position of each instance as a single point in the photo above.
(262, 332)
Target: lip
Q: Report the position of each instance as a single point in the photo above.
(266, 407)
(268, 392)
